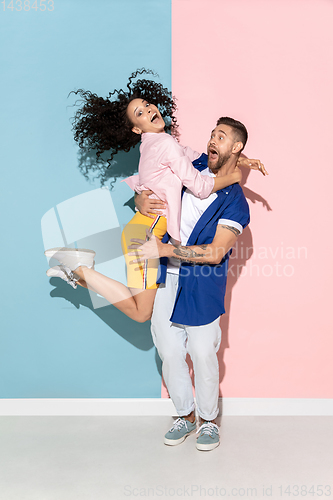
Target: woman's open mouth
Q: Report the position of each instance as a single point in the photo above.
(154, 118)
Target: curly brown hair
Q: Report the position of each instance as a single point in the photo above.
(102, 124)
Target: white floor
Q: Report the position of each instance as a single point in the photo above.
(103, 458)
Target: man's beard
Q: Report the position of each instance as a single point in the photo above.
(220, 163)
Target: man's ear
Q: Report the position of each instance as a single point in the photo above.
(136, 130)
(237, 147)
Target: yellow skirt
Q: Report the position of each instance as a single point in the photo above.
(146, 274)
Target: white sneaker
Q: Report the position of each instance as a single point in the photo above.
(64, 273)
(72, 257)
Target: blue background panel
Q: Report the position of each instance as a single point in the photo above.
(53, 342)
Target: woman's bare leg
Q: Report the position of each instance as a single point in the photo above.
(82, 283)
(136, 304)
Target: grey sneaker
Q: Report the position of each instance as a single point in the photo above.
(209, 437)
(179, 431)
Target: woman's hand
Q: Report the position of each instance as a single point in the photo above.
(253, 164)
(148, 206)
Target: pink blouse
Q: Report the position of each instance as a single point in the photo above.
(164, 167)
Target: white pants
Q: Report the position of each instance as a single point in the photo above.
(173, 342)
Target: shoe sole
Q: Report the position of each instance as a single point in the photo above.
(207, 447)
(174, 442)
(52, 251)
(52, 274)
(55, 272)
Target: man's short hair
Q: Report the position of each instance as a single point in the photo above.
(239, 129)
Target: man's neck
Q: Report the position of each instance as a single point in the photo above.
(228, 168)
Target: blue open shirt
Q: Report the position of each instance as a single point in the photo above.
(201, 287)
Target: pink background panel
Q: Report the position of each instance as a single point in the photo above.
(269, 64)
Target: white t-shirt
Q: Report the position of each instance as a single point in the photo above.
(191, 211)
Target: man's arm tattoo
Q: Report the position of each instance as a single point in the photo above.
(232, 229)
(185, 254)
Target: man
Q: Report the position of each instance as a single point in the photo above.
(188, 307)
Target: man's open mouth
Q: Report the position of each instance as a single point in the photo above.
(212, 154)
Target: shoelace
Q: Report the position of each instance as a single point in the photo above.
(178, 424)
(208, 428)
(71, 280)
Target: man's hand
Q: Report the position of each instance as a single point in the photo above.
(148, 206)
(213, 253)
(152, 248)
(253, 164)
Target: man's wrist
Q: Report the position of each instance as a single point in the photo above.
(166, 250)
